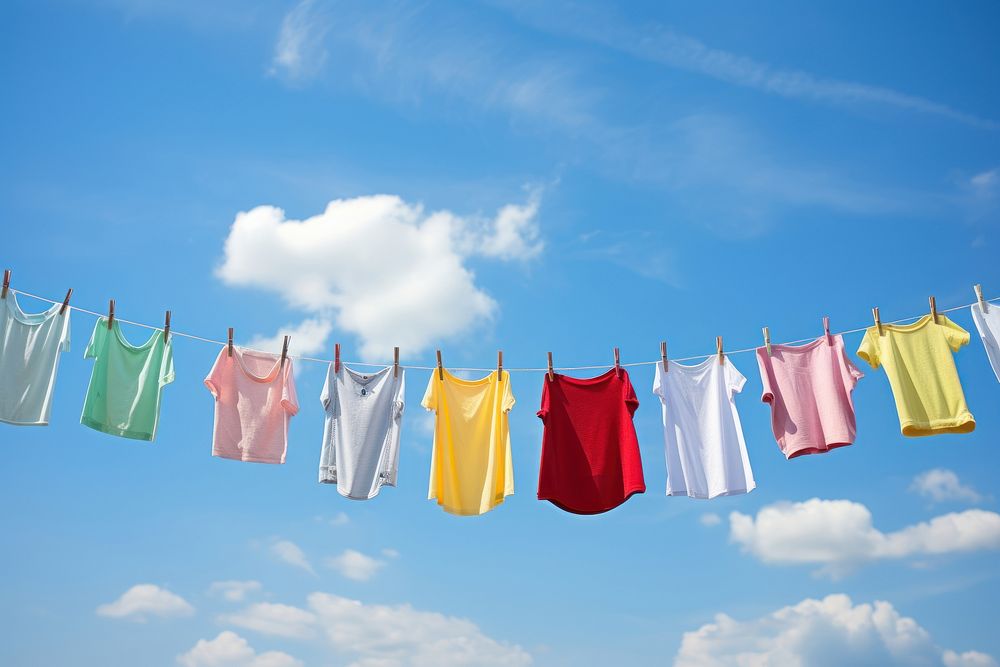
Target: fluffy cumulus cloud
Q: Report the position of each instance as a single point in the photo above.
(819, 633)
(942, 485)
(290, 553)
(144, 600)
(356, 565)
(839, 535)
(234, 591)
(377, 267)
(231, 650)
(372, 635)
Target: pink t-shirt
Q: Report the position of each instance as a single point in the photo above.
(254, 399)
(809, 388)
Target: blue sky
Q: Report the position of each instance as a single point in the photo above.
(528, 176)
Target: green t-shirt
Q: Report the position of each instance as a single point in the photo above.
(124, 394)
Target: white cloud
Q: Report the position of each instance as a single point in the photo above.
(289, 552)
(986, 180)
(941, 485)
(234, 591)
(339, 519)
(819, 633)
(839, 535)
(355, 565)
(143, 600)
(307, 337)
(270, 618)
(390, 553)
(401, 636)
(231, 650)
(299, 52)
(379, 267)
(710, 519)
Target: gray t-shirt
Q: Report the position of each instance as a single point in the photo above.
(361, 431)
(988, 324)
(30, 344)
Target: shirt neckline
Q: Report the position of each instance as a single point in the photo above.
(448, 375)
(903, 328)
(694, 367)
(116, 327)
(804, 347)
(587, 381)
(265, 379)
(29, 319)
(373, 378)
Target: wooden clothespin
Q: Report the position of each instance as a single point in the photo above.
(336, 357)
(933, 303)
(166, 327)
(618, 364)
(552, 375)
(718, 350)
(499, 365)
(878, 320)
(65, 303)
(111, 313)
(767, 340)
(284, 351)
(395, 362)
(440, 367)
(979, 297)
(826, 331)
(6, 283)
(663, 355)
(229, 346)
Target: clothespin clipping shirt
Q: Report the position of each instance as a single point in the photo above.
(395, 362)
(111, 312)
(336, 357)
(440, 367)
(826, 331)
(166, 326)
(65, 303)
(718, 349)
(499, 365)
(878, 320)
(663, 354)
(979, 297)
(229, 345)
(552, 375)
(6, 283)
(933, 309)
(618, 365)
(767, 340)
(284, 351)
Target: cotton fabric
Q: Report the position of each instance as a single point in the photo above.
(127, 381)
(471, 469)
(921, 369)
(30, 344)
(590, 452)
(254, 401)
(360, 451)
(703, 438)
(809, 390)
(988, 324)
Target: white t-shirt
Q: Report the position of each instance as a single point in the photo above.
(988, 324)
(30, 344)
(705, 450)
(361, 431)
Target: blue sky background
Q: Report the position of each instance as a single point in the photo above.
(682, 172)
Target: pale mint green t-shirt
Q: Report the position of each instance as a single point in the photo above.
(124, 394)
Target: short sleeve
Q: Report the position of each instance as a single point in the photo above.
(327, 394)
(400, 399)
(734, 379)
(64, 341)
(508, 392)
(767, 390)
(658, 380)
(96, 339)
(869, 348)
(631, 400)
(956, 335)
(167, 365)
(430, 399)
(213, 381)
(850, 372)
(289, 399)
(543, 409)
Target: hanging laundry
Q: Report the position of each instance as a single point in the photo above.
(254, 401)
(809, 390)
(590, 453)
(123, 397)
(30, 344)
(471, 469)
(921, 369)
(703, 438)
(988, 324)
(361, 430)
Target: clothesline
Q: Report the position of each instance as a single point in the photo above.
(545, 369)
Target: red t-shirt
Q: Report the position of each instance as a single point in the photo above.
(590, 453)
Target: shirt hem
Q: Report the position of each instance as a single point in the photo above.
(247, 459)
(587, 512)
(963, 424)
(20, 423)
(816, 449)
(710, 495)
(497, 501)
(120, 432)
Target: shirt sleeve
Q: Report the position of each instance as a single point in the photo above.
(869, 349)
(64, 343)
(213, 381)
(658, 380)
(767, 391)
(325, 395)
(508, 393)
(167, 365)
(430, 400)
(289, 399)
(543, 409)
(850, 372)
(734, 379)
(400, 401)
(956, 335)
(96, 339)
(631, 400)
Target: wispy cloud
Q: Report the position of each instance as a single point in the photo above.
(942, 485)
(300, 52)
(290, 553)
(355, 565)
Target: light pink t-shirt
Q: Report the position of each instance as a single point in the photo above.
(254, 399)
(809, 388)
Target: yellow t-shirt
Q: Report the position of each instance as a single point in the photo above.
(471, 471)
(921, 370)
